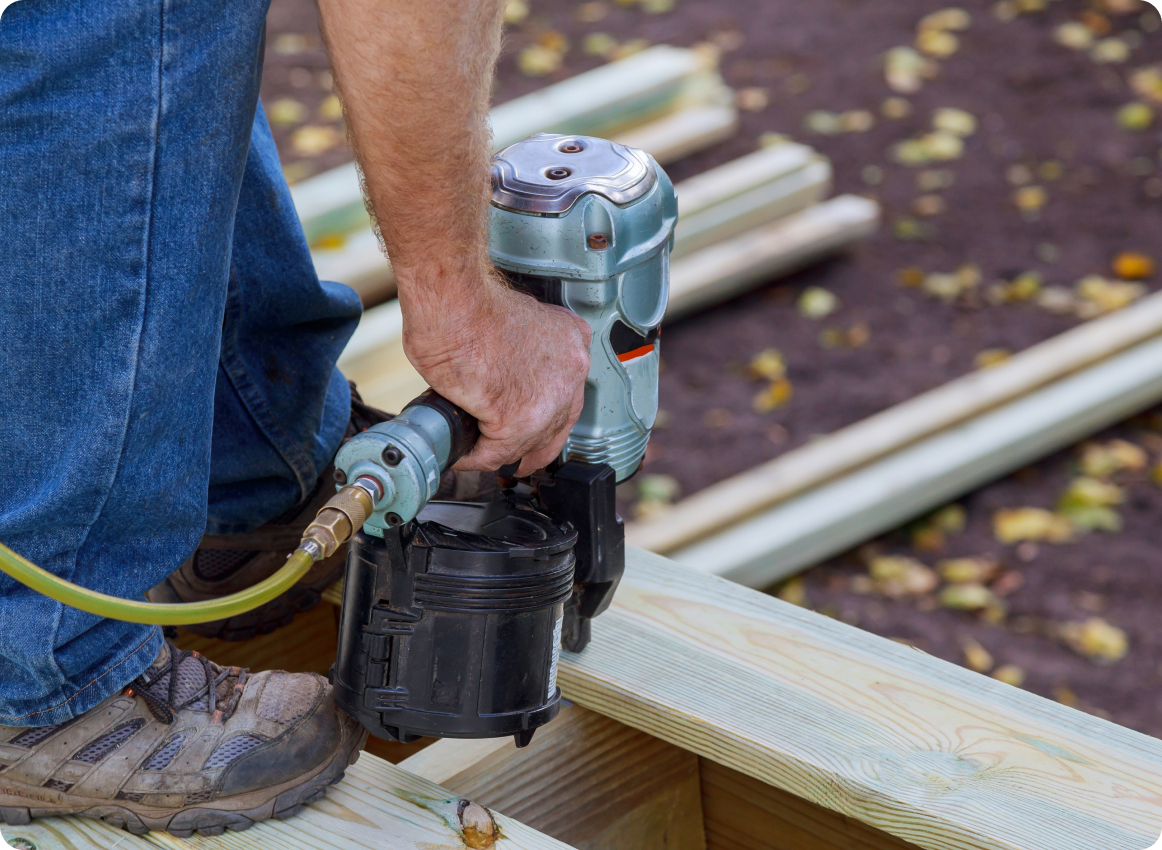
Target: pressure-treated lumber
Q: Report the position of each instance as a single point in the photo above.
(833, 517)
(730, 268)
(376, 805)
(587, 780)
(928, 752)
(359, 262)
(726, 504)
(742, 813)
(605, 100)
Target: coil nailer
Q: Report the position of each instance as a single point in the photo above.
(454, 613)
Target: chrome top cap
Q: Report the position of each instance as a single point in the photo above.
(546, 174)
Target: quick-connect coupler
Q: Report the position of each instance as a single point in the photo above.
(395, 467)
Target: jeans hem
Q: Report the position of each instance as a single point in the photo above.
(106, 679)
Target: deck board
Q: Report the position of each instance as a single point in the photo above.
(923, 750)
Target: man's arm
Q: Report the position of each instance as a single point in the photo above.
(415, 78)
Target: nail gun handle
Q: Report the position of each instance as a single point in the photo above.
(462, 427)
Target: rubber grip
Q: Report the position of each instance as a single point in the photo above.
(461, 425)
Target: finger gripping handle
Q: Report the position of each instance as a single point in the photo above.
(461, 425)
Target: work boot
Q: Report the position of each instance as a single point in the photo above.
(227, 563)
(188, 746)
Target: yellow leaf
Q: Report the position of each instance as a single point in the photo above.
(776, 395)
(331, 109)
(768, 364)
(966, 597)
(991, 357)
(536, 60)
(817, 302)
(1131, 265)
(1097, 639)
(968, 570)
(977, 657)
(955, 121)
(1108, 295)
(1013, 525)
(515, 11)
(952, 18)
(286, 111)
(1010, 674)
(599, 44)
(313, 139)
(937, 43)
(1102, 461)
(897, 576)
(794, 591)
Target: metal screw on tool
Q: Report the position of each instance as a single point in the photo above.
(393, 520)
(392, 456)
(571, 147)
(340, 477)
(598, 241)
(558, 173)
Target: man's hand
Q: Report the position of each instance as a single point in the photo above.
(415, 79)
(517, 365)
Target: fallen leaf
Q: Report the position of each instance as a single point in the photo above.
(937, 43)
(657, 7)
(1074, 35)
(536, 60)
(794, 591)
(1105, 296)
(1097, 639)
(286, 111)
(598, 44)
(1110, 51)
(977, 657)
(752, 99)
(976, 570)
(1010, 674)
(895, 108)
(955, 121)
(952, 18)
(1102, 461)
(591, 12)
(1012, 525)
(910, 277)
(1131, 265)
(905, 69)
(717, 418)
(515, 11)
(822, 122)
(966, 597)
(856, 121)
(1030, 198)
(314, 139)
(1135, 117)
(629, 48)
(991, 357)
(929, 205)
(1148, 82)
(817, 302)
(897, 576)
(776, 395)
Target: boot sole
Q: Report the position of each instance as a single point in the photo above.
(234, 813)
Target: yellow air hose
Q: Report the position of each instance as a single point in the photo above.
(333, 526)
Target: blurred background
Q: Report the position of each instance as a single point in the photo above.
(1014, 150)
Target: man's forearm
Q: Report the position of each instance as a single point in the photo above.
(415, 78)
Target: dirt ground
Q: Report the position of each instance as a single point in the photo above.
(1047, 139)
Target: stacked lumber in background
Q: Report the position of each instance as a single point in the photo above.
(817, 501)
(670, 102)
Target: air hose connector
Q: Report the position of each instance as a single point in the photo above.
(342, 516)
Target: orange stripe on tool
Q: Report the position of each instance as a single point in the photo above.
(637, 352)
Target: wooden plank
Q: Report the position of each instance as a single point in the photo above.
(359, 262)
(586, 780)
(376, 805)
(923, 750)
(727, 503)
(732, 267)
(742, 813)
(835, 516)
(608, 99)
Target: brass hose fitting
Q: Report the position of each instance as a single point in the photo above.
(341, 517)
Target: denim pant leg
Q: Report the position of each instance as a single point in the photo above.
(281, 406)
(125, 152)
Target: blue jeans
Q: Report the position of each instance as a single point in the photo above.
(167, 353)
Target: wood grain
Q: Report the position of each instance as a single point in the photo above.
(742, 813)
(378, 805)
(586, 779)
(728, 502)
(923, 750)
